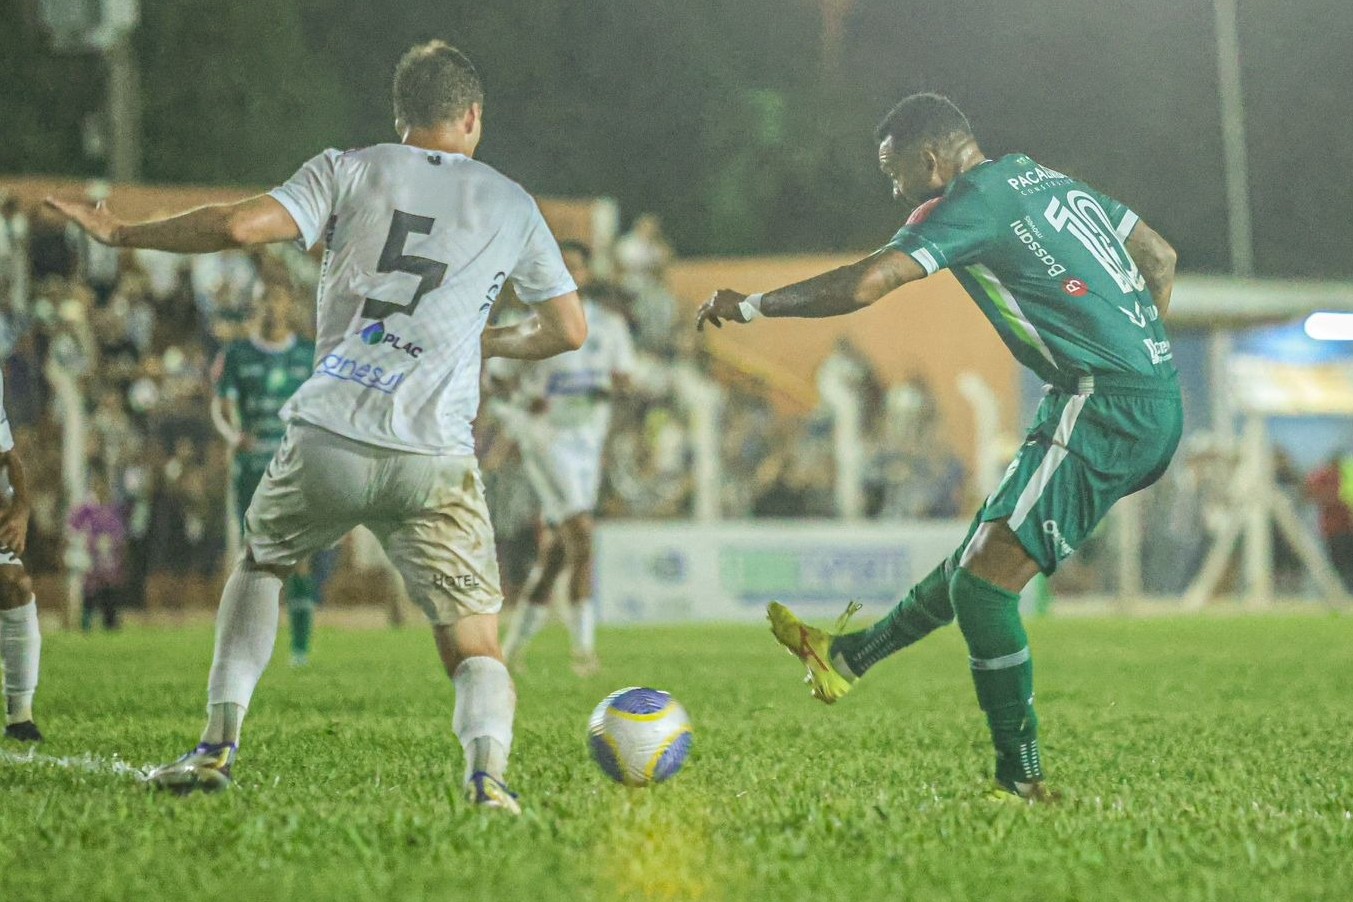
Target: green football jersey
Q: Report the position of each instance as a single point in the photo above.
(260, 379)
(1043, 256)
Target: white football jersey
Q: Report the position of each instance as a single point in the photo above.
(576, 386)
(418, 243)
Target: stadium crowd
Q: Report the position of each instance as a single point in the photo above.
(130, 338)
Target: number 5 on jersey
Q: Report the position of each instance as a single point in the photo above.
(393, 259)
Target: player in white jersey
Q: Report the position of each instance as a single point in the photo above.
(20, 640)
(561, 446)
(419, 239)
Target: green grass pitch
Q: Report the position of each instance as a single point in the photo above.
(1204, 759)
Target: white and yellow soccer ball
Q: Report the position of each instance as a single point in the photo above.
(639, 736)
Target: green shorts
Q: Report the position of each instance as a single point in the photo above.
(1084, 452)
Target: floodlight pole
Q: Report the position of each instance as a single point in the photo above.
(124, 109)
(1236, 164)
(1233, 139)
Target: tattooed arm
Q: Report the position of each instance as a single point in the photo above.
(1156, 260)
(834, 293)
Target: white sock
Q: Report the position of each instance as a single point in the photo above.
(20, 648)
(529, 620)
(485, 704)
(246, 630)
(584, 627)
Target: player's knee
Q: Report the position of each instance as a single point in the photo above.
(997, 556)
(578, 540)
(16, 588)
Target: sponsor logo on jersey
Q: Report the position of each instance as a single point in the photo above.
(1141, 316)
(366, 375)
(1034, 180)
(375, 334)
(1076, 287)
(1159, 350)
(1026, 236)
(1059, 542)
(446, 581)
(499, 280)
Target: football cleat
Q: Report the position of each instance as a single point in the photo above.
(206, 769)
(812, 646)
(1035, 793)
(484, 791)
(24, 731)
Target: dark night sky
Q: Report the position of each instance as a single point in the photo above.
(720, 116)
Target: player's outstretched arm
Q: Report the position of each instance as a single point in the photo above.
(834, 293)
(216, 227)
(1156, 259)
(559, 325)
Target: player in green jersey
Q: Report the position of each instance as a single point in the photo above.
(255, 377)
(1076, 286)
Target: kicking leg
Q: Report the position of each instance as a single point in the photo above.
(985, 594)
(20, 649)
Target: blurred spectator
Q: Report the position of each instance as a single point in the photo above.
(98, 536)
(14, 265)
(642, 256)
(1329, 487)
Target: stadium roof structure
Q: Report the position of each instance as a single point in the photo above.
(1227, 301)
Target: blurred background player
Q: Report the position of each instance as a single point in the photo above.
(20, 639)
(1076, 286)
(255, 378)
(419, 240)
(563, 439)
(98, 530)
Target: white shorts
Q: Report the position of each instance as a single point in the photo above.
(565, 473)
(427, 511)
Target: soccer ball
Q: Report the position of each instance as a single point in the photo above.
(639, 736)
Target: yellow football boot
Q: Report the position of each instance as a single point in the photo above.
(812, 646)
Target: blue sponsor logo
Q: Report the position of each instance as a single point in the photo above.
(364, 374)
(815, 575)
(375, 334)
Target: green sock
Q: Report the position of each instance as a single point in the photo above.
(300, 612)
(925, 609)
(1002, 671)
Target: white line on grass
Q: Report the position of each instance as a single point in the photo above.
(86, 762)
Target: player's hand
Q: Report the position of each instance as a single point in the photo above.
(96, 219)
(14, 527)
(722, 306)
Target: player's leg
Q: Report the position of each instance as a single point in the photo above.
(20, 648)
(301, 612)
(576, 533)
(533, 604)
(443, 547)
(307, 500)
(549, 482)
(985, 591)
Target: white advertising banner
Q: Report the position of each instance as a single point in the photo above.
(675, 572)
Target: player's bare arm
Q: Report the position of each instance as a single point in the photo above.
(1156, 260)
(225, 417)
(841, 291)
(559, 325)
(215, 227)
(14, 517)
